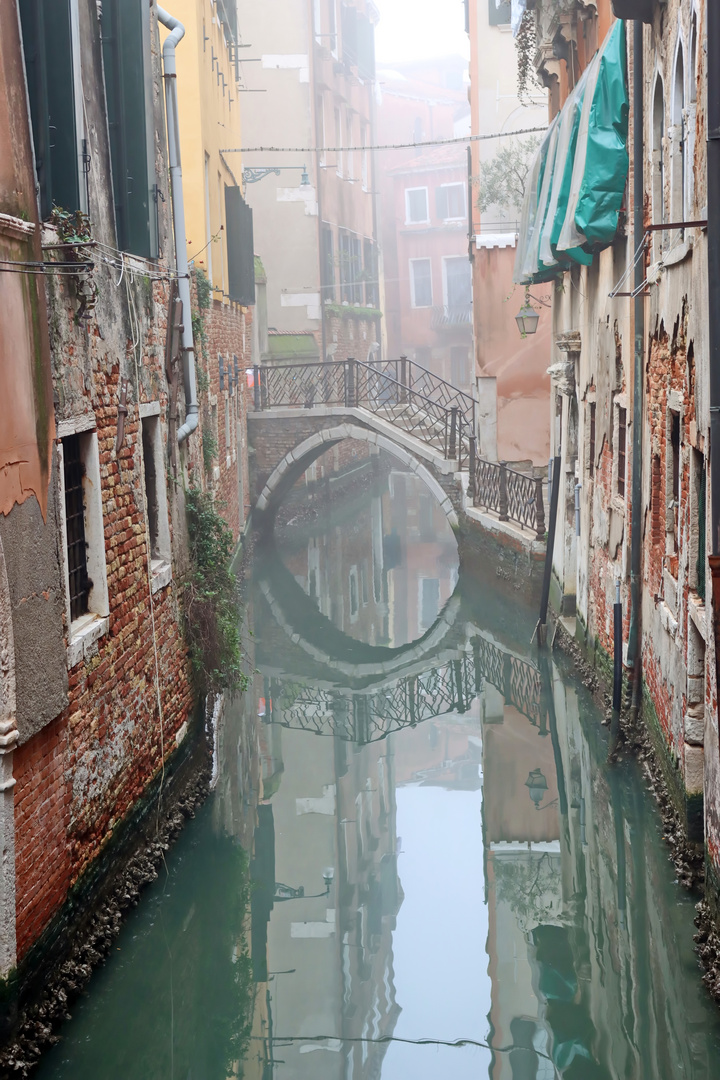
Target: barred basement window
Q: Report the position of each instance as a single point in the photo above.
(621, 449)
(155, 494)
(79, 583)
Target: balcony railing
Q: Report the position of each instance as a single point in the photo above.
(514, 496)
(444, 318)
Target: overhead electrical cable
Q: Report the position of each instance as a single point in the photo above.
(455, 141)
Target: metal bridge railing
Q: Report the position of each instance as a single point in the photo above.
(364, 717)
(513, 495)
(401, 391)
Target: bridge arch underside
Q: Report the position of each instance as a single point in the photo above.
(297, 461)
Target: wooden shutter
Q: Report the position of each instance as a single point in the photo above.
(47, 45)
(126, 58)
(240, 247)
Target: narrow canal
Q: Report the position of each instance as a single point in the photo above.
(413, 839)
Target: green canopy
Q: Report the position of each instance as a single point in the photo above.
(577, 181)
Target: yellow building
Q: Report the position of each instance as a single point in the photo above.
(218, 223)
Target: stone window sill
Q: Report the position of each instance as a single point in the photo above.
(85, 633)
(161, 574)
(697, 612)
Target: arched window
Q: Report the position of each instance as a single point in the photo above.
(691, 124)
(677, 140)
(658, 164)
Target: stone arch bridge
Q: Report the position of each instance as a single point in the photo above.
(302, 410)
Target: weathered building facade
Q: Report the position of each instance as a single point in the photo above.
(313, 85)
(630, 410)
(97, 446)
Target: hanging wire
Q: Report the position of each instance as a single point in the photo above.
(455, 141)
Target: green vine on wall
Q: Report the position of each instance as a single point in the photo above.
(74, 227)
(203, 291)
(210, 595)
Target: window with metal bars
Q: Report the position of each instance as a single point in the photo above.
(622, 451)
(78, 579)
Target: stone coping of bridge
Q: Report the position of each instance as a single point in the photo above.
(396, 435)
(506, 530)
(407, 454)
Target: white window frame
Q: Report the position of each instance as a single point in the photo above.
(78, 96)
(445, 260)
(463, 187)
(408, 219)
(411, 262)
(620, 401)
(161, 564)
(86, 630)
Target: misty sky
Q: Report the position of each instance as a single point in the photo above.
(416, 29)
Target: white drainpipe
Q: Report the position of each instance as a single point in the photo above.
(177, 32)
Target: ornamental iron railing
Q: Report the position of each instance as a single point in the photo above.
(364, 717)
(400, 391)
(514, 496)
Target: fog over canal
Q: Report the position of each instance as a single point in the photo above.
(413, 836)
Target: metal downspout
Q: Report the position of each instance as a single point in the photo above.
(633, 656)
(177, 32)
(712, 14)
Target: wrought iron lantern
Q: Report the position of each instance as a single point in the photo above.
(537, 786)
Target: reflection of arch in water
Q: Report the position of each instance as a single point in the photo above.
(319, 638)
(295, 463)
(370, 714)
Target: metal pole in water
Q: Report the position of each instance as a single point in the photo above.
(540, 629)
(617, 670)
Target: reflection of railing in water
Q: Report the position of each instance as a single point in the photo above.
(367, 717)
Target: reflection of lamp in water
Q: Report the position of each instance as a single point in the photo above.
(537, 785)
(287, 892)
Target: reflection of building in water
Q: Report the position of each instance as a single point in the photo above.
(381, 568)
(324, 959)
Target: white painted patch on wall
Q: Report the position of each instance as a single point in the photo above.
(289, 61)
(311, 301)
(181, 733)
(304, 193)
(314, 929)
(325, 804)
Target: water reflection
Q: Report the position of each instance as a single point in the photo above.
(438, 851)
(384, 561)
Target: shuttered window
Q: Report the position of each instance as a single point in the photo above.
(328, 255)
(128, 89)
(48, 49)
(240, 247)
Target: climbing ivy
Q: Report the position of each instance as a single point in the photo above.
(211, 599)
(74, 227)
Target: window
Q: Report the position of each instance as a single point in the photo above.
(351, 285)
(128, 89)
(365, 47)
(332, 26)
(354, 598)
(328, 259)
(79, 583)
(591, 447)
(699, 525)
(83, 534)
(338, 143)
(349, 35)
(421, 283)
(621, 451)
(371, 274)
(320, 110)
(52, 58)
(416, 206)
(450, 202)
(677, 141)
(459, 374)
(240, 247)
(155, 494)
(365, 159)
(498, 12)
(208, 228)
(674, 476)
(349, 141)
(429, 602)
(457, 285)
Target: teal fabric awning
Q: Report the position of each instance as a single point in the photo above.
(577, 181)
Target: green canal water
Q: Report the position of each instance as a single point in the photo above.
(413, 840)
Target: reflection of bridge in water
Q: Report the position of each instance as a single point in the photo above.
(367, 715)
